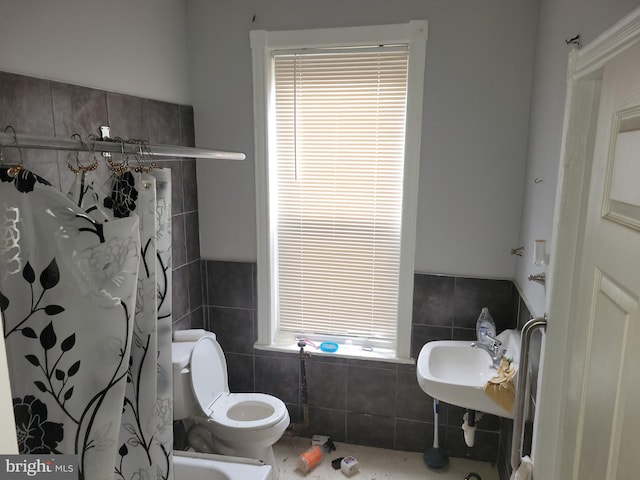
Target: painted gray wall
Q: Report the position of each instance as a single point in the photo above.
(132, 47)
(476, 199)
(558, 20)
(475, 120)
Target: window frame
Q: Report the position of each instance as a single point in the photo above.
(263, 44)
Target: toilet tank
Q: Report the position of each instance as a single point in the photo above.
(184, 403)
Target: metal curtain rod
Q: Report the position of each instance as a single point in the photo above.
(111, 146)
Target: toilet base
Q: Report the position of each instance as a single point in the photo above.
(202, 440)
(261, 453)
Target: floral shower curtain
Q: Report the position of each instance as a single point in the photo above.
(85, 282)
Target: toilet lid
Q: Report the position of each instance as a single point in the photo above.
(208, 373)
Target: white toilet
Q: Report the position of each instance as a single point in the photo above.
(238, 424)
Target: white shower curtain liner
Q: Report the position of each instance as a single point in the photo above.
(85, 294)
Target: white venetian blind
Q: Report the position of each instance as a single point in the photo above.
(340, 133)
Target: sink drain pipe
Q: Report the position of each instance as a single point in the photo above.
(469, 427)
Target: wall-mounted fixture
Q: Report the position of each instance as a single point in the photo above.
(540, 252)
(517, 251)
(573, 42)
(538, 277)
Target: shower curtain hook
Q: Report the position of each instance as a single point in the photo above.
(81, 168)
(92, 149)
(14, 170)
(123, 167)
(142, 149)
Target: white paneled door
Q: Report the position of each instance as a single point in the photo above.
(601, 414)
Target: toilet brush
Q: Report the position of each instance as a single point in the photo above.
(434, 457)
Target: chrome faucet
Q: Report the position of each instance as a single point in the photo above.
(493, 347)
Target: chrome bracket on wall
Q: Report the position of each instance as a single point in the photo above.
(538, 277)
(105, 134)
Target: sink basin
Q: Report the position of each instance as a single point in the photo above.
(454, 372)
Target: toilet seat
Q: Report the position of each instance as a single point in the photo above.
(208, 373)
(247, 411)
(240, 411)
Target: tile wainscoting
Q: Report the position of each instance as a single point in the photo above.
(364, 402)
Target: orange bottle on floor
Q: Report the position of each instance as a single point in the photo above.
(309, 459)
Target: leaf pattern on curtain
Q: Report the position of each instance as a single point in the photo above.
(87, 320)
(24, 180)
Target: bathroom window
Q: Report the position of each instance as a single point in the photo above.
(337, 116)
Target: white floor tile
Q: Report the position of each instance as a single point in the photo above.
(374, 463)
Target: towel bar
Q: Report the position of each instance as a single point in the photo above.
(523, 378)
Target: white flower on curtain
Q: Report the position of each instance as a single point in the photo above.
(9, 246)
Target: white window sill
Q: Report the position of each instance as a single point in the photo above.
(344, 351)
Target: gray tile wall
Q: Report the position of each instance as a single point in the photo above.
(364, 402)
(42, 107)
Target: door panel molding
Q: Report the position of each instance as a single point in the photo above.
(605, 386)
(618, 206)
(609, 44)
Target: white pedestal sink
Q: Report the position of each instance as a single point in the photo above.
(454, 372)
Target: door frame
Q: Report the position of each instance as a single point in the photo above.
(554, 441)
